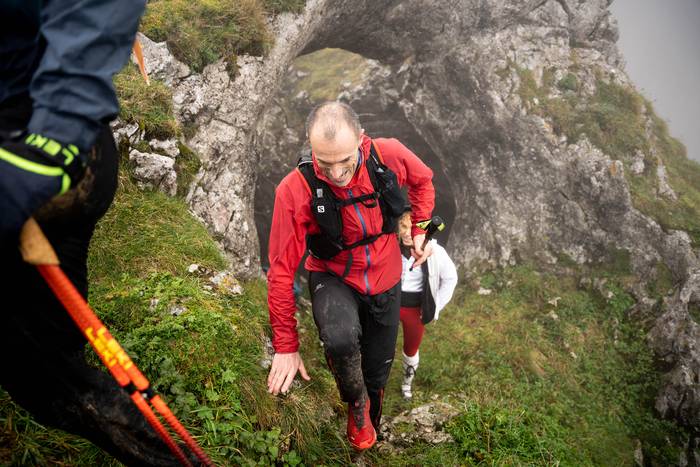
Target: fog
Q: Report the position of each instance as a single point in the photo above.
(660, 41)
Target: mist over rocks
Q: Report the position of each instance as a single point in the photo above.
(466, 84)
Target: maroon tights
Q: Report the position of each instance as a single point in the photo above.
(413, 329)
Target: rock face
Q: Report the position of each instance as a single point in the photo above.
(224, 112)
(450, 75)
(676, 338)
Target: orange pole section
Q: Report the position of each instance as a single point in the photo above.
(118, 362)
(163, 409)
(152, 419)
(138, 52)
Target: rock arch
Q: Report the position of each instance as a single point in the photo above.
(281, 136)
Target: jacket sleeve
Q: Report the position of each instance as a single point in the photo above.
(447, 279)
(87, 43)
(286, 248)
(412, 173)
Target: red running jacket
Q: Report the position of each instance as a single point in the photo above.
(375, 267)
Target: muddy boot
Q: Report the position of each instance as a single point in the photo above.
(360, 432)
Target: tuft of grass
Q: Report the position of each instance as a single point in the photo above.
(497, 436)
(568, 83)
(200, 33)
(611, 119)
(281, 6)
(151, 107)
(23, 441)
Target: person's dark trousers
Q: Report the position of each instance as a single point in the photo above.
(359, 337)
(43, 366)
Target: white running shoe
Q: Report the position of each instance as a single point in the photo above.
(410, 364)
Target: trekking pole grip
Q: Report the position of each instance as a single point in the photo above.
(34, 245)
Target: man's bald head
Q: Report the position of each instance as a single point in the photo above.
(329, 118)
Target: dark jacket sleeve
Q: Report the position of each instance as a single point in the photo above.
(87, 42)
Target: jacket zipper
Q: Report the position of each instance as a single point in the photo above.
(364, 235)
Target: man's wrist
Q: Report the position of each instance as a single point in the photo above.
(415, 230)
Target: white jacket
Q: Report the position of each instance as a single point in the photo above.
(442, 277)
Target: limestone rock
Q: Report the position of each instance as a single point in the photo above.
(676, 337)
(664, 188)
(638, 163)
(227, 283)
(166, 147)
(426, 422)
(128, 132)
(160, 63)
(154, 171)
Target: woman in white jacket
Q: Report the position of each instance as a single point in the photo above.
(424, 293)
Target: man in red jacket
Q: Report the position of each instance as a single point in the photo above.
(354, 274)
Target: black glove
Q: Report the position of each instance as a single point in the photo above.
(33, 169)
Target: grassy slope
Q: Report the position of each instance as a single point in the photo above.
(537, 383)
(326, 82)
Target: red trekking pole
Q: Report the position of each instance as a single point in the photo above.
(37, 250)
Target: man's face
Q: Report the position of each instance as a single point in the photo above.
(337, 159)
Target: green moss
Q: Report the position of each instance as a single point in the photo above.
(200, 33)
(663, 281)
(187, 165)
(151, 107)
(619, 264)
(694, 311)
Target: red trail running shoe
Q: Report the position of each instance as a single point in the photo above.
(361, 433)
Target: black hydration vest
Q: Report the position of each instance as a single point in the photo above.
(326, 207)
